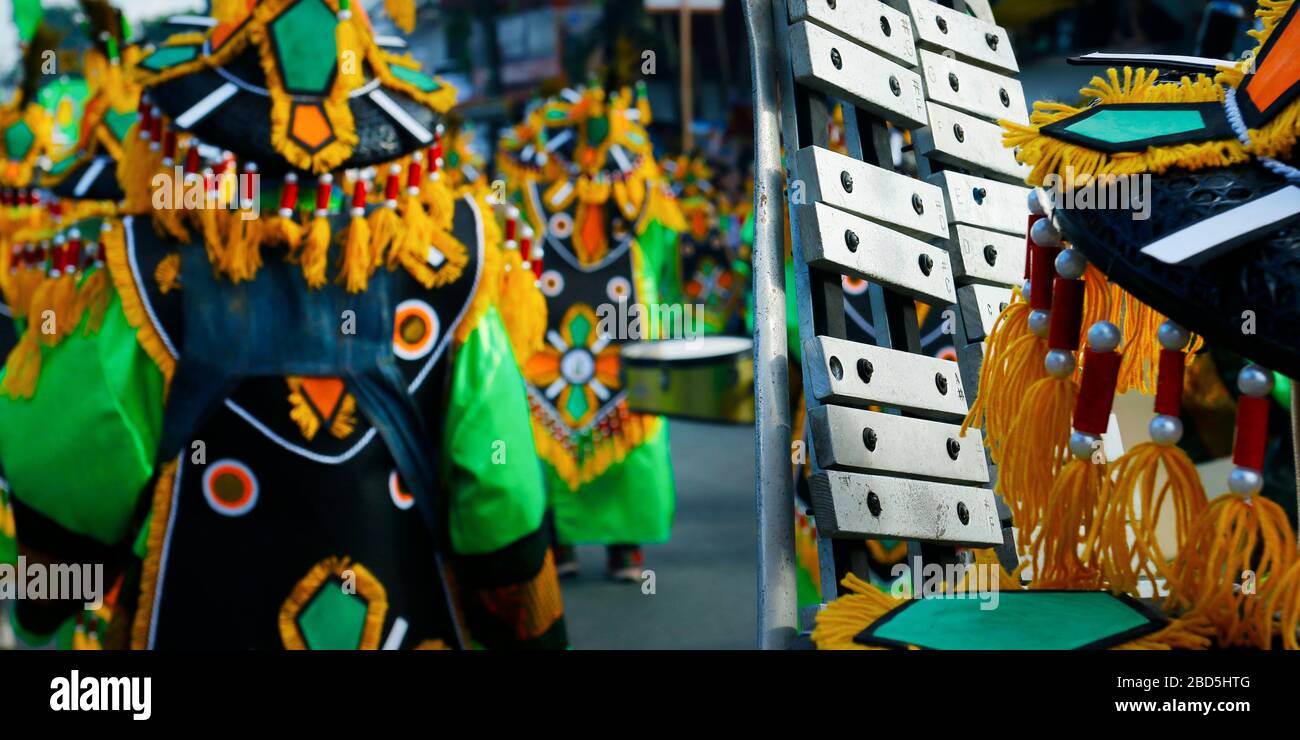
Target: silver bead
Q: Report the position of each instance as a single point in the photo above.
(1172, 336)
(1255, 381)
(1035, 203)
(1071, 264)
(1024, 290)
(1082, 443)
(1104, 337)
(1166, 430)
(1245, 480)
(1045, 234)
(1039, 322)
(1059, 363)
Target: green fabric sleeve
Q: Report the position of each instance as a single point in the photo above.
(494, 475)
(100, 399)
(659, 250)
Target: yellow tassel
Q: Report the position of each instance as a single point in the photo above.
(214, 240)
(1234, 557)
(386, 230)
(315, 252)
(1148, 477)
(93, 296)
(355, 264)
(522, 307)
(168, 273)
(1071, 522)
(63, 298)
(347, 39)
(438, 200)
(402, 12)
(170, 222)
(42, 317)
(1096, 298)
(1013, 362)
(22, 367)
(1283, 604)
(1036, 448)
(846, 617)
(282, 230)
(244, 255)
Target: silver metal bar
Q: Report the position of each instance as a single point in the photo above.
(869, 22)
(874, 442)
(777, 583)
(944, 29)
(979, 307)
(840, 241)
(904, 203)
(962, 140)
(839, 67)
(973, 89)
(988, 204)
(983, 256)
(852, 374)
(878, 506)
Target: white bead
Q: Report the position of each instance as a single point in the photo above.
(1039, 322)
(1071, 264)
(1045, 234)
(1172, 336)
(1166, 430)
(1024, 290)
(1255, 381)
(1082, 443)
(1059, 363)
(1104, 337)
(1035, 204)
(1245, 480)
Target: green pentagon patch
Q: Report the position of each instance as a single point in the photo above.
(305, 49)
(1136, 127)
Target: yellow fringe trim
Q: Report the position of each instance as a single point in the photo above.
(1071, 522)
(168, 273)
(1036, 449)
(1013, 361)
(367, 586)
(522, 306)
(113, 242)
(562, 455)
(1052, 156)
(1148, 477)
(1237, 541)
(159, 514)
(1270, 13)
(1283, 604)
(489, 284)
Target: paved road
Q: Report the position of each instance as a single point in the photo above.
(705, 577)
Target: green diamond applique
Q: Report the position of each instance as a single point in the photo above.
(333, 620)
(577, 404)
(169, 56)
(1136, 127)
(421, 81)
(305, 48)
(119, 123)
(18, 140)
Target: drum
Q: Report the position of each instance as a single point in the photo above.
(704, 379)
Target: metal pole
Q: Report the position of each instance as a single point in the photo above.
(777, 587)
(688, 78)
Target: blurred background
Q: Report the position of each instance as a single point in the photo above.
(502, 54)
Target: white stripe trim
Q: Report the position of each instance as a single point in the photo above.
(396, 635)
(90, 175)
(400, 116)
(1203, 240)
(142, 290)
(209, 103)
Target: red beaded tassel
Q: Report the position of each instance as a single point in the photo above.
(283, 227)
(1153, 479)
(355, 264)
(170, 219)
(523, 307)
(417, 233)
(437, 193)
(94, 293)
(315, 251)
(1014, 349)
(385, 225)
(1067, 549)
(1233, 571)
(1035, 448)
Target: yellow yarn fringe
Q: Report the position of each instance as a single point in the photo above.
(1282, 604)
(402, 12)
(159, 514)
(113, 242)
(1013, 361)
(1237, 541)
(93, 296)
(355, 264)
(22, 367)
(522, 306)
(574, 471)
(1049, 155)
(1146, 478)
(1270, 13)
(168, 273)
(300, 410)
(315, 252)
(1035, 450)
(1068, 548)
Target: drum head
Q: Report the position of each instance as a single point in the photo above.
(675, 351)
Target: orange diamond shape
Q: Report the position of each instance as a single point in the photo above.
(309, 125)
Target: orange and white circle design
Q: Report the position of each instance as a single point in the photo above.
(561, 225)
(402, 499)
(230, 487)
(551, 283)
(415, 329)
(854, 286)
(618, 289)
